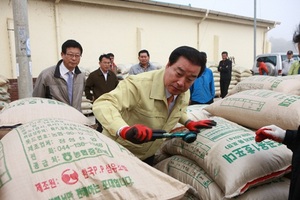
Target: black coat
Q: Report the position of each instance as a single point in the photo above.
(225, 69)
(292, 140)
(96, 82)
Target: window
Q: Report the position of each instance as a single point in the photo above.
(270, 59)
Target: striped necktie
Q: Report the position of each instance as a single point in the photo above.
(70, 86)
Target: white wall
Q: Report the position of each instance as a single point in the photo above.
(124, 31)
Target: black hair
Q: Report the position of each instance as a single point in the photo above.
(296, 36)
(110, 54)
(225, 52)
(71, 43)
(191, 54)
(144, 51)
(104, 56)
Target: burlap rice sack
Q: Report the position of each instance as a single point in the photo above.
(187, 171)
(2, 104)
(4, 131)
(28, 109)
(257, 108)
(4, 89)
(277, 189)
(284, 84)
(86, 106)
(239, 73)
(87, 111)
(4, 97)
(189, 196)
(51, 159)
(229, 154)
(3, 80)
(196, 112)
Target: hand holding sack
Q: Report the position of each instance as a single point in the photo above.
(137, 134)
(196, 125)
(271, 132)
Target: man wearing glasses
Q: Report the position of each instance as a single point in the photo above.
(64, 81)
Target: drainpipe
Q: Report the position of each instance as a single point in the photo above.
(11, 38)
(254, 28)
(198, 28)
(264, 50)
(57, 28)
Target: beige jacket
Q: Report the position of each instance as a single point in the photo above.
(140, 99)
(51, 85)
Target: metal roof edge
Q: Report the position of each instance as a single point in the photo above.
(178, 9)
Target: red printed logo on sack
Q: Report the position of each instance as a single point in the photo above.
(69, 177)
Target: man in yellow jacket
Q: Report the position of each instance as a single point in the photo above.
(295, 68)
(138, 105)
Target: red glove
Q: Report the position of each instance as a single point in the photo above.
(136, 134)
(271, 132)
(196, 125)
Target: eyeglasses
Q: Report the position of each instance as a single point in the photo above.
(70, 55)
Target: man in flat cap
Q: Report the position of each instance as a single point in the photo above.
(286, 64)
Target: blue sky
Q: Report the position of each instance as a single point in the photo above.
(285, 11)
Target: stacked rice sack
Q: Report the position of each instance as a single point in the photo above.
(259, 101)
(123, 69)
(240, 73)
(157, 65)
(61, 157)
(28, 109)
(188, 171)
(276, 189)
(86, 106)
(236, 76)
(225, 162)
(4, 94)
(257, 108)
(53, 158)
(285, 84)
(216, 74)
